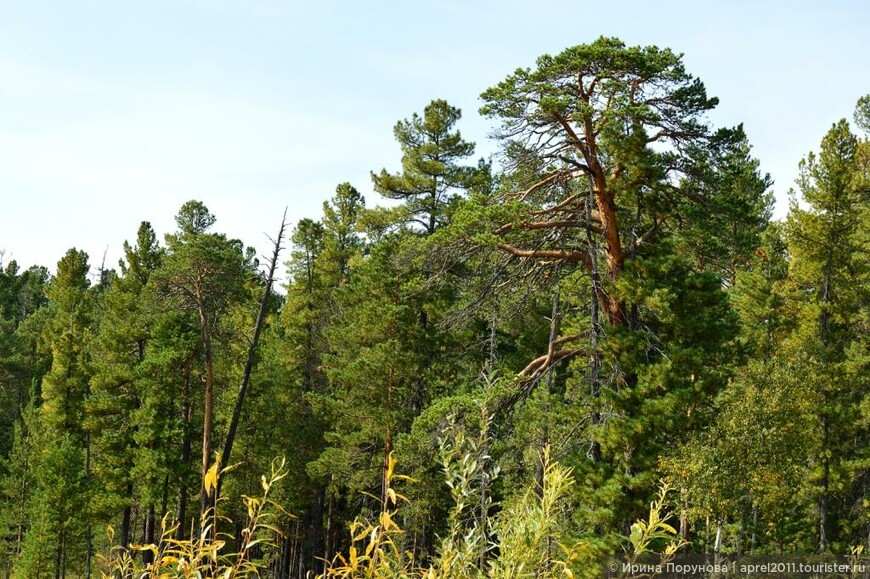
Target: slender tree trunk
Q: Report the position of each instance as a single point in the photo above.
(316, 531)
(127, 516)
(388, 450)
(89, 539)
(493, 343)
(823, 499)
(208, 409)
(707, 535)
(164, 501)
(545, 424)
(754, 539)
(128, 513)
(388, 441)
(594, 453)
(433, 199)
(684, 517)
(717, 547)
(186, 442)
(826, 426)
(293, 559)
(58, 559)
(150, 534)
(329, 551)
(284, 563)
(483, 515)
(252, 350)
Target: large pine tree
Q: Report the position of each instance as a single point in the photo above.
(610, 164)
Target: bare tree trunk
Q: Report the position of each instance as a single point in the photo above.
(252, 350)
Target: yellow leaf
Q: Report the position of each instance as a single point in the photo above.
(668, 528)
(364, 533)
(391, 464)
(211, 477)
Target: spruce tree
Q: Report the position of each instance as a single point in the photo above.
(59, 509)
(118, 352)
(823, 289)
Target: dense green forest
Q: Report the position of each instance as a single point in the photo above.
(609, 291)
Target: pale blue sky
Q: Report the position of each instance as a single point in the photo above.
(116, 112)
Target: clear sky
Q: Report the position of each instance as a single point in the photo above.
(114, 112)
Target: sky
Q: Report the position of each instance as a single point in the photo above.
(116, 112)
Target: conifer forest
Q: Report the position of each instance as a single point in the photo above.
(490, 369)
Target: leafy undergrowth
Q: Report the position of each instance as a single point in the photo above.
(205, 555)
(526, 539)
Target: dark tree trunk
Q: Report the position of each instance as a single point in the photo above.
(824, 530)
(89, 539)
(594, 453)
(252, 350)
(128, 513)
(150, 533)
(186, 442)
(206, 501)
(331, 529)
(316, 532)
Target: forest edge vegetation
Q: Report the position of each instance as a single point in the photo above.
(522, 352)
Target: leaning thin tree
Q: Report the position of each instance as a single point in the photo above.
(252, 348)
